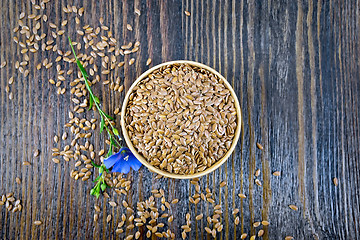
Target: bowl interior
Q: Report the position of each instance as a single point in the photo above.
(165, 173)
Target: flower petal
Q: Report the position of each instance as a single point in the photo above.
(110, 161)
(121, 167)
(122, 161)
(134, 163)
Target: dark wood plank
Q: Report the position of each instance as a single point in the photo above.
(294, 67)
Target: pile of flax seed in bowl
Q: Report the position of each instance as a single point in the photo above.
(181, 118)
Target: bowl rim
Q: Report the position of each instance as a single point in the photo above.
(165, 173)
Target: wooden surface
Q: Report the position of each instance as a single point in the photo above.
(294, 66)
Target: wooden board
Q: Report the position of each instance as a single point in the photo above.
(294, 67)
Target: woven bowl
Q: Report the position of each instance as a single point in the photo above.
(165, 173)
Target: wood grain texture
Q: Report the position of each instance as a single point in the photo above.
(294, 66)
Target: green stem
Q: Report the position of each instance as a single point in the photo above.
(100, 185)
(102, 114)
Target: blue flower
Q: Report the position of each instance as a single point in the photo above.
(122, 161)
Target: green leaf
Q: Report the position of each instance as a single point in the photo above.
(91, 101)
(94, 164)
(97, 179)
(96, 99)
(108, 116)
(82, 69)
(102, 124)
(97, 194)
(112, 141)
(115, 131)
(92, 191)
(103, 186)
(110, 151)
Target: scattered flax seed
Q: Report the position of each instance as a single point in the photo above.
(242, 195)
(259, 146)
(11, 80)
(222, 184)
(18, 180)
(55, 160)
(198, 217)
(260, 233)
(108, 218)
(137, 235)
(187, 13)
(148, 62)
(56, 139)
(113, 204)
(243, 236)
(256, 224)
(36, 152)
(257, 181)
(52, 25)
(74, 9)
(252, 237)
(277, 173)
(293, 207)
(175, 201)
(235, 211)
(137, 11)
(289, 238)
(26, 163)
(81, 11)
(116, 111)
(129, 237)
(335, 181)
(265, 223)
(217, 207)
(3, 64)
(257, 173)
(64, 136)
(237, 220)
(102, 151)
(37, 223)
(129, 27)
(96, 217)
(131, 62)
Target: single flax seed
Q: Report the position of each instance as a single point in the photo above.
(277, 173)
(293, 207)
(37, 222)
(259, 146)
